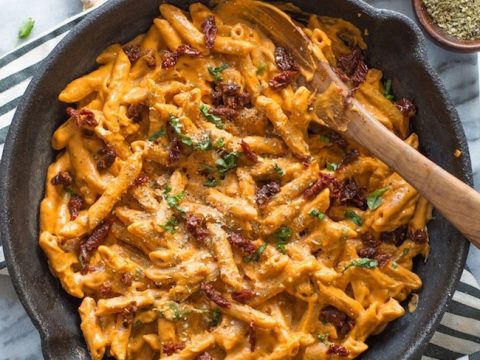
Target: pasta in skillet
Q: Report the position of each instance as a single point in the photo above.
(201, 210)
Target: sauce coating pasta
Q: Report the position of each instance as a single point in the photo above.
(202, 210)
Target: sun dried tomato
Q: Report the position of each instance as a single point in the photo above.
(418, 236)
(252, 336)
(139, 181)
(265, 192)
(337, 350)
(249, 154)
(224, 112)
(214, 295)
(172, 348)
(126, 279)
(75, 204)
(210, 30)
(337, 139)
(242, 296)
(175, 150)
(342, 322)
(382, 259)
(325, 180)
(170, 59)
(204, 356)
(245, 245)
(133, 52)
(187, 50)
(396, 237)
(360, 74)
(136, 112)
(129, 313)
(351, 193)
(82, 117)
(106, 289)
(108, 155)
(284, 59)
(62, 178)
(93, 241)
(230, 95)
(368, 252)
(406, 107)
(282, 80)
(196, 228)
(369, 240)
(350, 157)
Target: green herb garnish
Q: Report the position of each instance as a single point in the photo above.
(69, 191)
(374, 200)
(332, 166)
(215, 317)
(220, 143)
(256, 255)
(176, 124)
(170, 226)
(317, 214)
(26, 29)
(387, 90)
(325, 139)
(278, 170)
(363, 263)
(217, 121)
(167, 189)
(177, 314)
(215, 72)
(261, 69)
(157, 134)
(352, 215)
(283, 235)
(323, 338)
(203, 145)
(227, 162)
(394, 264)
(174, 200)
(211, 182)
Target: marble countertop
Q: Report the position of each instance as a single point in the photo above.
(18, 338)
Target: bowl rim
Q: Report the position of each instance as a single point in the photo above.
(440, 35)
(6, 165)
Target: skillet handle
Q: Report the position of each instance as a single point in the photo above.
(458, 202)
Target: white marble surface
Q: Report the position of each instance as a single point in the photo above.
(18, 338)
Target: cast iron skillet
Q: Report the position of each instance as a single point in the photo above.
(395, 45)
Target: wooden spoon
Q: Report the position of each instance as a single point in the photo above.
(458, 202)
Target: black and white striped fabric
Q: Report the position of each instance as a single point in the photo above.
(458, 336)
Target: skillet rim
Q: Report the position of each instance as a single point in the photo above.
(6, 166)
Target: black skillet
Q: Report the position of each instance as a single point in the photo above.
(395, 46)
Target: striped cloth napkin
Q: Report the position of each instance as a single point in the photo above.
(457, 337)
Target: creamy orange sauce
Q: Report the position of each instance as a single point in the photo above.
(141, 286)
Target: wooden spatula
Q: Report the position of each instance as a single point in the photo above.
(458, 202)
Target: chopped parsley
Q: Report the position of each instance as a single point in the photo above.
(167, 189)
(176, 124)
(177, 314)
(283, 235)
(227, 163)
(170, 226)
(278, 170)
(217, 121)
(69, 191)
(363, 263)
(26, 28)
(394, 264)
(325, 139)
(220, 143)
(215, 72)
(387, 90)
(261, 69)
(354, 217)
(215, 317)
(174, 200)
(374, 200)
(203, 145)
(211, 182)
(317, 214)
(332, 166)
(256, 255)
(323, 338)
(157, 134)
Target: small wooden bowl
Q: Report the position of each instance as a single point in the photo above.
(441, 36)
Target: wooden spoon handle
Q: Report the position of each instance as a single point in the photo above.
(458, 202)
